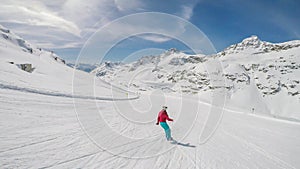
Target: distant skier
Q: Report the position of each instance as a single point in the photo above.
(161, 119)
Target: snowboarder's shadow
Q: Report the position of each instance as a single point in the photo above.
(183, 144)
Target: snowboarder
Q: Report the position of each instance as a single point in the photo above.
(161, 119)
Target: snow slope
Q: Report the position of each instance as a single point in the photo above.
(39, 131)
(50, 75)
(44, 124)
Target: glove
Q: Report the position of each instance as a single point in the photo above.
(156, 123)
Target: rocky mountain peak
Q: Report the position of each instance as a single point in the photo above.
(254, 45)
(171, 51)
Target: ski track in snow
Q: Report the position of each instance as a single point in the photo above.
(40, 136)
(276, 160)
(29, 144)
(57, 94)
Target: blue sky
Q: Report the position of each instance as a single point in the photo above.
(65, 26)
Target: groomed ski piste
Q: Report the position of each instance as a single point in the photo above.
(104, 126)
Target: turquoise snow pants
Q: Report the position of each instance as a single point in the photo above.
(167, 129)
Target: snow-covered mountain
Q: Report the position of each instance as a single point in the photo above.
(255, 46)
(260, 76)
(29, 68)
(11, 40)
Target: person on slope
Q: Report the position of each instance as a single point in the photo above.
(161, 119)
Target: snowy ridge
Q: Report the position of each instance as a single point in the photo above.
(259, 46)
(10, 39)
(106, 68)
(15, 39)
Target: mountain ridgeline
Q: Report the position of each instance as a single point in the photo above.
(251, 60)
(11, 40)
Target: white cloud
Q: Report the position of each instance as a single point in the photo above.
(36, 15)
(187, 12)
(69, 21)
(155, 38)
(125, 5)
